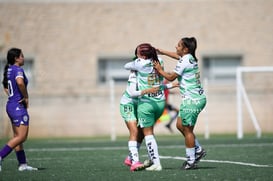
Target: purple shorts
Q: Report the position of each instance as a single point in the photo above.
(18, 114)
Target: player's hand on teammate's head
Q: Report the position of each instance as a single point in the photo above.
(157, 65)
(159, 51)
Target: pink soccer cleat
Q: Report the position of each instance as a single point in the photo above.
(127, 162)
(137, 166)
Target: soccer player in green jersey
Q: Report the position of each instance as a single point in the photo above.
(128, 111)
(150, 106)
(194, 99)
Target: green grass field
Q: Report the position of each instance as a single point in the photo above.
(100, 159)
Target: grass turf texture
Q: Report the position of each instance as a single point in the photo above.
(102, 160)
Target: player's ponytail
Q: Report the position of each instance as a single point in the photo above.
(154, 56)
(12, 54)
(5, 79)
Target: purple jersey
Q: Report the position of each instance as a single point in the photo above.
(13, 73)
(17, 111)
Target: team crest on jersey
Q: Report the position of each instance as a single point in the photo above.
(25, 118)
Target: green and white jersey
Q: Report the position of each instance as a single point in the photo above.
(147, 77)
(131, 93)
(189, 78)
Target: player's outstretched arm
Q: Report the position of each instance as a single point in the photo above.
(133, 92)
(130, 66)
(173, 55)
(170, 76)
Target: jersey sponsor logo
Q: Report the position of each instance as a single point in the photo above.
(158, 93)
(153, 79)
(20, 73)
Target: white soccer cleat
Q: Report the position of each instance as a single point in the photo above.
(188, 166)
(25, 167)
(154, 168)
(148, 163)
(200, 155)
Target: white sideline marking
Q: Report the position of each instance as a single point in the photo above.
(124, 148)
(218, 161)
(163, 157)
(76, 149)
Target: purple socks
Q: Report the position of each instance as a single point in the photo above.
(5, 151)
(21, 157)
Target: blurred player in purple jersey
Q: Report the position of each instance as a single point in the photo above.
(15, 85)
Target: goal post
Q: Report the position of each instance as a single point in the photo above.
(242, 97)
(113, 134)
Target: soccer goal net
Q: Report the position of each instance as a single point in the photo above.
(254, 99)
